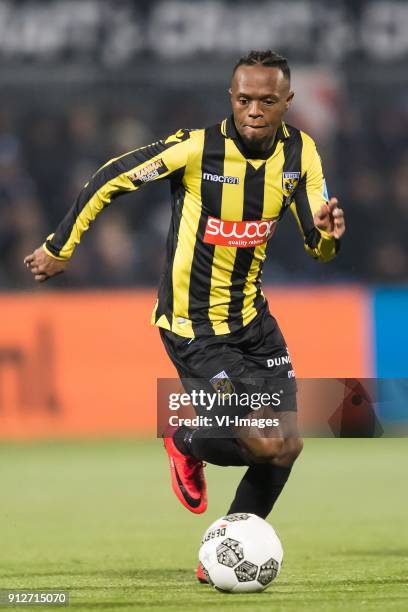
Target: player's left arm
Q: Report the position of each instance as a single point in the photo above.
(320, 219)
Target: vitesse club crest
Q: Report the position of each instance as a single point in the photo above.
(290, 181)
(222, 383)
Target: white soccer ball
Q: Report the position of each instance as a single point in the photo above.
(241, 553)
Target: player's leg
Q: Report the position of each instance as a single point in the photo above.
(197, 363)
(264, 481)
(274, 452)
(222, 451)
(279, 445)
(188, 448)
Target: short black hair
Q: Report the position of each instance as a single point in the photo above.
(264, 58)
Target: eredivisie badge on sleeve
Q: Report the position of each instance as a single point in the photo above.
(290, 181)
(325, 190)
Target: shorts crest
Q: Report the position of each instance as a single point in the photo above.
(222, 383)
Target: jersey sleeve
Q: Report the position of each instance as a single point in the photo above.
(120, 175)
(309, 196)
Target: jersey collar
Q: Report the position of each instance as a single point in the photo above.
(228, 130)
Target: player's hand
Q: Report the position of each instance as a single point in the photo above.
(330, 219)
(43, 266)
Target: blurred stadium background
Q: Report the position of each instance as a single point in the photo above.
(83, 81)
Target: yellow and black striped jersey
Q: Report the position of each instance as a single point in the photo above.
(225, 207)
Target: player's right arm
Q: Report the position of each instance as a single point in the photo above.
(119, 175)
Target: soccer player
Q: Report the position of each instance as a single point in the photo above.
(231, 184)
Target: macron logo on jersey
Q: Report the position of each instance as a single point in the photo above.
(241, 234)
(218, 178)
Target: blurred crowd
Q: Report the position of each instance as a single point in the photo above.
(46, 156)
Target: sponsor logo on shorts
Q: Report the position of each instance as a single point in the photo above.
(219, 178)
(277, 361)
(148, 172)
(241, 234)
(290, 181)
(222, 383)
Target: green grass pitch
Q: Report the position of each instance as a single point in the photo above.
(100, 519)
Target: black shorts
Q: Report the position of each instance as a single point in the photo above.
(253, 360)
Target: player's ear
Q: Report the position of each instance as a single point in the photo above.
(230, 91)
(289, 100)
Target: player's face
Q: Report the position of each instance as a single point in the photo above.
(260, 96)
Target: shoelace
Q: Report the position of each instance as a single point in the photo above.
(195, 469)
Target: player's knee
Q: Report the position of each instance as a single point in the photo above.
(292, 449)
(266, 449)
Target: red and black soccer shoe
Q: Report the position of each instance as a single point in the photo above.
(201, 576)
(187, 476)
